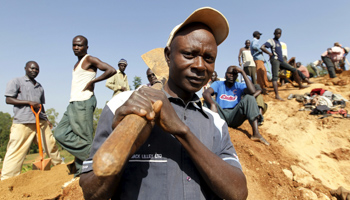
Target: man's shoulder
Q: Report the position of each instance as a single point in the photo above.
(217, 83)
(18, 80)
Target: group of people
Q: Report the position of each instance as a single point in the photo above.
(185, 151)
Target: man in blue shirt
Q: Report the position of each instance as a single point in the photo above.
(231, 105)
(277, 61)
(259, 60)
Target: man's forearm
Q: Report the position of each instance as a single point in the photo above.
(226, 181)
(98, 188)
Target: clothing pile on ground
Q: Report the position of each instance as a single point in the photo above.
(322, 102)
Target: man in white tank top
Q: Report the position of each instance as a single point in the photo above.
(75, 130)
(245, 57)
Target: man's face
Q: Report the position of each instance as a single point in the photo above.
(247, 43)
(122, 67)
(231, 75)
(258, 37)
(32, 70)
(79, 46)
(191, 58)
(214, 76)
(278, 34)
(152, 79)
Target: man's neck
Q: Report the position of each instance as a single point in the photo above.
(81, 57)
(228, 84)
(177, 92)
(32, 80)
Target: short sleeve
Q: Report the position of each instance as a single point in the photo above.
(104, 126)
(268, 44)
(215, 87)
(12, 88)
(228, 151)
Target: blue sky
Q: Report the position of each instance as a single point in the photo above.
(43, 31)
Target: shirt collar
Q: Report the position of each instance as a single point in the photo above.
(26, 78)
(195, 102)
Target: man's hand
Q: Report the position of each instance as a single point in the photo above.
(90, 86)
(34, 104)
(237, 69)
(123, 89)
(50, 125)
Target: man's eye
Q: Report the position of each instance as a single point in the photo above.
(209, 59)
(188, 55)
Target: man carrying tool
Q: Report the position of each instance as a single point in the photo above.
(277, 61)
(22, 93)
(75, 130)
(119, 81)
(181, 153)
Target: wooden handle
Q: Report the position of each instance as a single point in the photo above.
(115, 151)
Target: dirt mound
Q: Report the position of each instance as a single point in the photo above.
(36, 184)
(307, 157)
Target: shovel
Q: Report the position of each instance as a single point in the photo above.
(42, 164)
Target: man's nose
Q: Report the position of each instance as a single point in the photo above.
(199, 63)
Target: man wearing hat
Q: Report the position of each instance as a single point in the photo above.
(75, 130)
(259, 62)
(183, 154)
(119, 82)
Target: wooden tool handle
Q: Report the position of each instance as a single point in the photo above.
(115, 151)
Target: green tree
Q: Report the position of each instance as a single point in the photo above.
(136, 82)
(52, 116)
(5, 129)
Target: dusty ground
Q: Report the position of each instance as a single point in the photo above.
(307, 157)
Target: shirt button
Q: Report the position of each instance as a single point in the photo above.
(185, 117)
(188, 178)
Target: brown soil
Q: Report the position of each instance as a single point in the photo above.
(318, 147)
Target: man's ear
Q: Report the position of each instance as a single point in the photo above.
(167, 54)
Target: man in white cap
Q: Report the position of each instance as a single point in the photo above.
(119, 81)
(183, 153)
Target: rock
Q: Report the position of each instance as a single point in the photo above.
(307, 194)
(322, 196)
(301, 176)
(288, 173)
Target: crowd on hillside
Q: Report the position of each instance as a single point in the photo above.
(167, 157)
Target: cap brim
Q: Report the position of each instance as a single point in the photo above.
(211, 17)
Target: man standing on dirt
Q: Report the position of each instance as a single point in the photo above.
(75, 130)
(333, 56)
(22, 93)
(246, 57)
(277, 61)
(170, 164)
(259, 60)
(231, 105)
(119, 81)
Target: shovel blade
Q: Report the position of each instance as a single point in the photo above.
(42, 164)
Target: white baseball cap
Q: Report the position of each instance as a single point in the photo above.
(211, 17)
